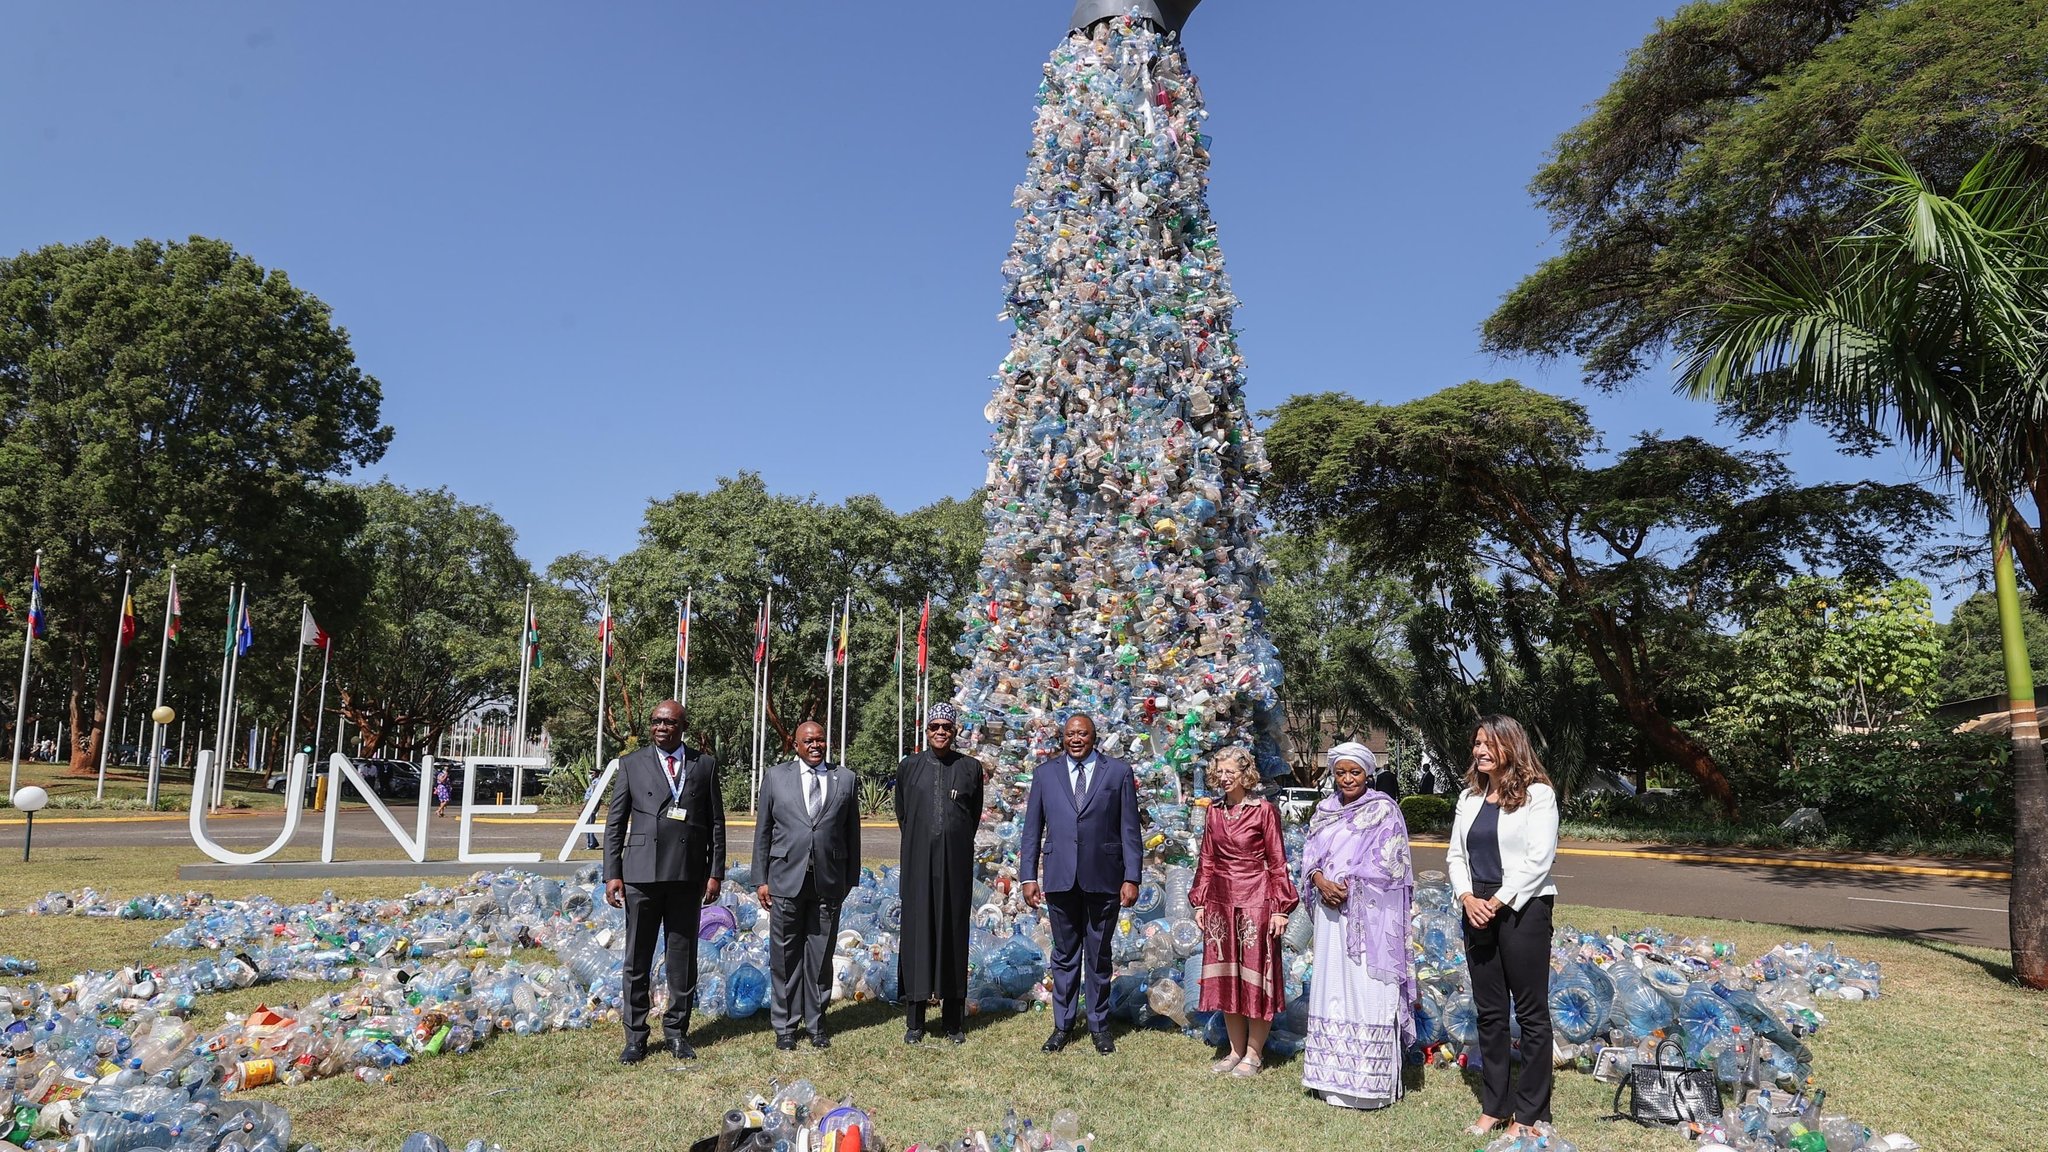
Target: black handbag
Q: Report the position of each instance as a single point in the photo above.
(1664, 1094)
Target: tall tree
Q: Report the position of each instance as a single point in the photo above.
(1337, 626)
(1973, 653)
(1932, 321)
(438, 634)
(1642, 554)
(171, 403)
(1734, 130)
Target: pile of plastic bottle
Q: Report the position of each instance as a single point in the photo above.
(1121, 572)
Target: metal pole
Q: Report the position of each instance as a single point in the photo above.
(846, 677)
(28, 643)
(525, 669)
(604, 652)
(113, 683)
(220, 718)
(683, 689)
(899, 685)
(28, 836)
(320, 712)
(291, 736)
(163, 664)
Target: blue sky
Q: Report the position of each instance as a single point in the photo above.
(601, 253)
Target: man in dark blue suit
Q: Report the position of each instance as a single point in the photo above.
(1083, 818)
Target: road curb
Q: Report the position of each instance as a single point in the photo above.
(1774, 862)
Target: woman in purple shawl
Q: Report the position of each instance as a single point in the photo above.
(1361, 1002)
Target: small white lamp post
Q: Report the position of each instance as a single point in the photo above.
(30, 799)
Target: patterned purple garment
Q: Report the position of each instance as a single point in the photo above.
(1363, 845)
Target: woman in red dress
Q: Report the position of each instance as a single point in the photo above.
(1242, 894)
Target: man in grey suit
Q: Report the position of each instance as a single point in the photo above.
(1082, 818)
(664, 859)
(806, 858)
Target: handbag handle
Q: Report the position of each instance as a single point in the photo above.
(1658, 1056)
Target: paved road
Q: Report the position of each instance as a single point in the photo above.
(1860, 894)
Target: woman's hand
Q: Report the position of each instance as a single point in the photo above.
(1479, 913)
(1329, 891)
(1276, 925)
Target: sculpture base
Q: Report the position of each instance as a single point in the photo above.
(345, 869)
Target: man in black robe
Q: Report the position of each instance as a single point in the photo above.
(938, 808)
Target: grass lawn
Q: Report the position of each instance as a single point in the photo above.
(128, 787)
(1955, 1054)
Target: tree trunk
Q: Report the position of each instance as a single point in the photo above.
(1681, 749)
(2028, 899)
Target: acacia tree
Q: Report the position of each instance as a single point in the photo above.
(1643, 555)
(1337, 628)
(171, 404)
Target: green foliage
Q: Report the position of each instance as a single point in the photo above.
(438, 634)
(1337, 627)
(877, 799)
(1972, 661)
(168, 404)
(725, 548)
(1735, 129)
(1427, 813)
(1922, 779)
(1613, 571)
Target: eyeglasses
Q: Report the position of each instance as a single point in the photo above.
(940, 728)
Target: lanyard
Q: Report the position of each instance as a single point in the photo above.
(675, 780)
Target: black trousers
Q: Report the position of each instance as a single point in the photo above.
(1511, 957)
(803, 932)
(1081, 923)
(952, 1014)
(670, 909)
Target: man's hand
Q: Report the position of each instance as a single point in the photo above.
(1128, 894)
(615, 893)
(1033, 894)
(762, 894)
(711, 888)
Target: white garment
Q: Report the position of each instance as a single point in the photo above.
(1528, 847)
(1352, 1057)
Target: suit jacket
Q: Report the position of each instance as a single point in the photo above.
(641, 846)
(788, 842)
(1089, 842)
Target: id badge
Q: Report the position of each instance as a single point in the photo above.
(675, 812)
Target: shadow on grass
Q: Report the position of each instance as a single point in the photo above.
(2003, 973)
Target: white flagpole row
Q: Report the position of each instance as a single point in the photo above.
(846, 677)
(899, 685)
(113, 681)
(683, 683)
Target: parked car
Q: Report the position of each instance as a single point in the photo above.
(1297, 803)
(393, 779)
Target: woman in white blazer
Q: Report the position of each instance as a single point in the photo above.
(1502, 845)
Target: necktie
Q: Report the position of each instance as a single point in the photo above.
(1080, 780)
(811, 789)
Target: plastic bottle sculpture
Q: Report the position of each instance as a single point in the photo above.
(1121, 571)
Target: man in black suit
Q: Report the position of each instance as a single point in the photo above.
(664, 858)
(1083, 818)
(806, 858)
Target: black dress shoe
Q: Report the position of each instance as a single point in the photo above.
(1056, 1041)
(820, 1040)
(913, 1035)
(1103, 1044)
(786, 1042)
(680, 1048)
(957, 1037)
(636, 1051)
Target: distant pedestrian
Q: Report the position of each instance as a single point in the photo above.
(442, 793)
(589, 790)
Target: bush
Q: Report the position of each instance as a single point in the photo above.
(1921, 779)
(736, 785)
(1427, 813)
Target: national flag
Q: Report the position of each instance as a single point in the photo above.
(245, 632)
(532, 639)
(761, 634)
(310, 631)
(845, 623)
(4, 605)
(38, 623)
(898, 663)
(924, 621)
(127, 619)
(177, 622)
(604, 628)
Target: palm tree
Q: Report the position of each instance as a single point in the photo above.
(1931, 324)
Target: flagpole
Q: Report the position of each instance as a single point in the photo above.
(675, 690)
(754, 708)
(604, 653)
(525, 670)
(227, 730)
(291, 732)
(163, 663)
(683, 688)
(113, 682)
(220, 725)
(320, 709)
(846, 677)
(28, 644)
(899, 685)
(829, 678)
